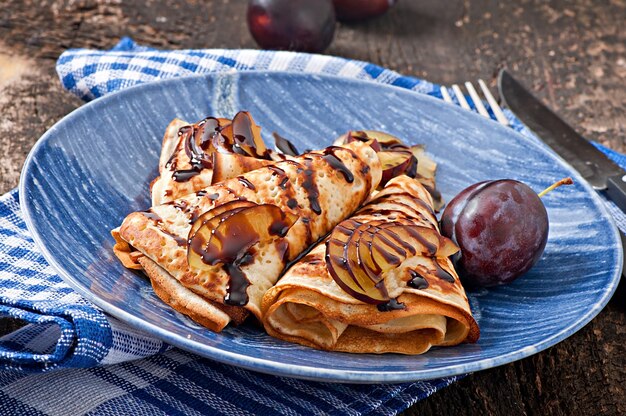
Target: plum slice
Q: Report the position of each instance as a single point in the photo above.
(349, 262)
(368, 279)
(195, 250)
(230, 165)
(410, 240)
(395, 163)
(235, 234)
(395, 156)
(336, 261)
(384, 140)
(359, 256)
(215, 211)
(243, 136)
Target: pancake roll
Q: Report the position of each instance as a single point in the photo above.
(382, 282)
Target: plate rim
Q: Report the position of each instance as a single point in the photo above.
(306, 371)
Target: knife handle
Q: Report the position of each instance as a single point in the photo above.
(616, 190)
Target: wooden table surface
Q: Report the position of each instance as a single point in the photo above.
(571, 53)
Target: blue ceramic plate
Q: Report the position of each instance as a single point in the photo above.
(94, 167)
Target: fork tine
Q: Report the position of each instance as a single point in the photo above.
(460, 97)
(497, 111)
(478, 103)
(445, 94)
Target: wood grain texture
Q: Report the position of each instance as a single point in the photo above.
(572, 53)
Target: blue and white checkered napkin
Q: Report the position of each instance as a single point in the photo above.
(67, 333)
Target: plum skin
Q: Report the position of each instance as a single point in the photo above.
(298, 25)
(501, 227)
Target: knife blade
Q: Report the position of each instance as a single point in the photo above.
(601, 172)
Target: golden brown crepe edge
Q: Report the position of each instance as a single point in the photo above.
(207, 313)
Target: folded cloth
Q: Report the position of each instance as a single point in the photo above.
(66, 332)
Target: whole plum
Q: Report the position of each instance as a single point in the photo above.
(297, 25)
(501, 227)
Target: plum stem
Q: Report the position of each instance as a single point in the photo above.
(565, 181)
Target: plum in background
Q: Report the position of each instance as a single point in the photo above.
(297, 25)
(501, 227)
(351, 10)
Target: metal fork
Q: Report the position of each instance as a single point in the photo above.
(478, 103)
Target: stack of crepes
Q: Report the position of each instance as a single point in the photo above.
(229, 215)
(427, 304)
(289, 205)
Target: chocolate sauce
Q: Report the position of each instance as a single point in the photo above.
(201, 193)
(190, 211)
(392, 305)
(181, 205)
(158, 222)
(279, 228)
(277, 170)
(193, 216)
(336, 163)
(386, 254)
(442, 274)
(197, 158)
(228, 190)
(411, 170)
(243, 135)
(292, 203)
(171, 162)
(285, 145)
(232, 248)
(210, 126)
(246, 183)
(414, 232)
(185, 174)
(181, 242)
(310, 187)
(283, 182)
(236, 294)
(417, 281)
(406, 246)
(391, 198)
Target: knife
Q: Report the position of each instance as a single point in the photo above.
(601, 172)
(593, 165)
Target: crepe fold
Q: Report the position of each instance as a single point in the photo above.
(319, 188)
(430, 309)
(184, 167)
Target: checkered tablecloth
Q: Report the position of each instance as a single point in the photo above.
(92, 353)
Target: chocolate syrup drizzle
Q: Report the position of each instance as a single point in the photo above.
(285, 145)
(246, 183)
(158, 222)
(336, 163)
(311, 187)
(417, 281)
(197, 158)
(235, 251)
(392, 305)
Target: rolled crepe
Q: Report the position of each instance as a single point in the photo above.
(185, 168)
(319, 188)
(429, 306)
